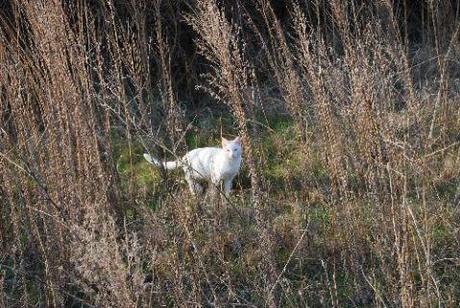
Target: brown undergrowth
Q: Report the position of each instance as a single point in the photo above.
(350, 187)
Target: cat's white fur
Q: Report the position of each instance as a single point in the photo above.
(215, 165)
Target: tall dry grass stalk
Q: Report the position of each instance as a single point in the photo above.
(367, 220)
(317, 67)
(356, 97)
(230, 81)
(55, 147)
(174, 117)
(283, 64)
(231, 77)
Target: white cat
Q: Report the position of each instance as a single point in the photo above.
(214, 165)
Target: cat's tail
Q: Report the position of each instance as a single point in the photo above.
(167, 165)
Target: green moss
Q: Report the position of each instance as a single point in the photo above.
(320, 214)
(447, 189)
(133, 169)
(280, 150)
(441, 233)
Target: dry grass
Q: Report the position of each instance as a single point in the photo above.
(350, 190)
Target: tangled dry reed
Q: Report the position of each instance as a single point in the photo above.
(361, 210)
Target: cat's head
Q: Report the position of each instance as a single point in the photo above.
(232, 148)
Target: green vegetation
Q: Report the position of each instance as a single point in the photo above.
(350, 186)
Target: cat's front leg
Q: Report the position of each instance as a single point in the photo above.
(228, 186)
(215, 185)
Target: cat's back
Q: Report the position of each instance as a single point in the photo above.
(199, 162)
(202, 155)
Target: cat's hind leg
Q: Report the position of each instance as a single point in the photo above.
(194, 186)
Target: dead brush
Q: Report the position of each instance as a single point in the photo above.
(282, 63)
(55, 150)
(107, 269)
(229, 80)
(371, 222)
(314, 60)
(382, 156)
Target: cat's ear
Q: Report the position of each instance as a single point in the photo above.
(237, 140)
(224, 142)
